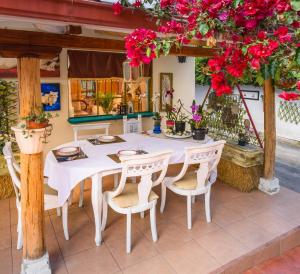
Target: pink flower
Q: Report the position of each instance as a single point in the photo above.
(117, 8)
(298, 85)
(289, 96)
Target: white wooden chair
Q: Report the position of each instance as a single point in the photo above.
(132, 125)
(50, 195)
(77, 129)
(195, 183)
(131, 198)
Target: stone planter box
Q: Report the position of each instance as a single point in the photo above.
(241, 167)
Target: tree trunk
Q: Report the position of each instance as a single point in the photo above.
(32, 191)
(269, 128)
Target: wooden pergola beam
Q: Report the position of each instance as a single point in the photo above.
(15, 38)
(16, 51)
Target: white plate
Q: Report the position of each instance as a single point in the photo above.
(107, 138)
(127, 152)
(183, 136)
(68, 151)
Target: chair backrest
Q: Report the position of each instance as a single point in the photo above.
(207, 156)
(90, 127)
(132, 125)
(13, 168)
(143, 166)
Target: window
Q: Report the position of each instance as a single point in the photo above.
(97, 85)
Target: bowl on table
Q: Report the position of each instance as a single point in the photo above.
(68, 151)
(107, 138)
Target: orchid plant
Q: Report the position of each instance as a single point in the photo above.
(198, 119)
(249, 35)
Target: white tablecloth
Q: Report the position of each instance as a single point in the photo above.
(64, 176)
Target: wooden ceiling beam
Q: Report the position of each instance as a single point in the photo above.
(42, 39)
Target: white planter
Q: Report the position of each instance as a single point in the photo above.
(30, 141)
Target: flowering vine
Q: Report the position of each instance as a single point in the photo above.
(258, 35)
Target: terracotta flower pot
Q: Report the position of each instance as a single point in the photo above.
(36, 125)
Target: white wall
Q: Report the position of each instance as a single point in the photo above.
(283, 129)
(183, 77)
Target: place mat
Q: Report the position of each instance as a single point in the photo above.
(116, 158)
(98, 142)
(60, 159)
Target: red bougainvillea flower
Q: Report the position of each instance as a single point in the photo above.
(137, 4)
(166, 3)
(298, 85)
(140, 46)
(219, 84)
(117, 8)
(283, 35)
(289, 96)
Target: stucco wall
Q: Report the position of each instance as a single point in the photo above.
(183, 77)
(284, 129)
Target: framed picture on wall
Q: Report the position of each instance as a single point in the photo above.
(166, 90)
(50, 96)
(251, 94)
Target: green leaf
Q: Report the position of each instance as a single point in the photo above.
(298, 56)
(203, 28)
(236, 3)
(273, 68)
(259, 78)
(295, 5)
(148, 52)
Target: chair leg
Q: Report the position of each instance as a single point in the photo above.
(58, 212)
(65, 220)
(163, 197)
(81, 194)
(128, 233)
(207, 206)
(189, 211)
(116, 180)
(193, 199)
(19, 230)
(153, 224)
(70, 198)
(104, 214)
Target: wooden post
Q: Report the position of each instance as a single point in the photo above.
(269, 129)
(269, 184)
(32, 191)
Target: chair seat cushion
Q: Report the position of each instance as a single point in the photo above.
(129, 197)
(188, 182)
(49, 191)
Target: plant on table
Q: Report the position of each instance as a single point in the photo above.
(250, 35)
(180, 117)
(198, 122)
(106, 101)
(157, 122)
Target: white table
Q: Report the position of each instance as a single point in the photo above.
(64, 176)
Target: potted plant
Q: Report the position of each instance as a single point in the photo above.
(31, 134)
(106, 102)
(170, 122)
(198, 122)
(157, 123)
(180, 118)
(243, 138)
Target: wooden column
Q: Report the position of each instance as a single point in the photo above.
(32, 191)
(269, 129)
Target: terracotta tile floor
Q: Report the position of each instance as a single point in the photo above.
(287, 263)
(241, 223)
